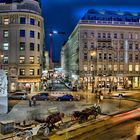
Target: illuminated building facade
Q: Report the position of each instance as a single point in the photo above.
(114, 36)
(21, 45)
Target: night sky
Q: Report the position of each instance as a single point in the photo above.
(63, 15)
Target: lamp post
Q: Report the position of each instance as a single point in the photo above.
(93, 55)
(51, 43)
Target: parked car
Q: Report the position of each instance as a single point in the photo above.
(66, 97)
(41, 96)
(18, 96)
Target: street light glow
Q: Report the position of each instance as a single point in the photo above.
(55, 32)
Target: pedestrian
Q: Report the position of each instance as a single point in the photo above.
(34, 101)
(30, 103)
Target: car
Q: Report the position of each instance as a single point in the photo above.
(18, 96)
(41, 96)
(66, 97)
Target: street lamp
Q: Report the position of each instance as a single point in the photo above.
(93, 55)
(51, 43)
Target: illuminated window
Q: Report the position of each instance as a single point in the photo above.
(5, 33)
(22, 59)
(99, 67)
(121, 67)
(130, 67)
(6, 21)
(136, 67)
(115, 67)
(31, 59)
(22, 46)
(22, 71)
(5, 46)
(31, 71)
(5, 59)
(85, 67)
(109, 67)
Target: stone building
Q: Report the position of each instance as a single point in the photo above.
(21, 43)
(104, 49)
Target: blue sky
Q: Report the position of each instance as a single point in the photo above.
(63, 15)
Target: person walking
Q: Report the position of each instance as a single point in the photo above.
(34, 101)
(30, 103)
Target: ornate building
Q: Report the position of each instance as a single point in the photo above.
(21, 43)
(105, 47)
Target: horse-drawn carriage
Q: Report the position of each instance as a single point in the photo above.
(82, 116)
(41, 125)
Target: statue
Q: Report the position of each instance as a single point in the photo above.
(3, 83)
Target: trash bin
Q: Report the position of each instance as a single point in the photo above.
(6, 127)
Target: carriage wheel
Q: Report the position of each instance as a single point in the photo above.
(46, 131)
(28, 138)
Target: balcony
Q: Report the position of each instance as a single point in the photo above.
(118, 23)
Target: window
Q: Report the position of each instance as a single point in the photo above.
(121, 36)
(5, 33)
(100, 56)
(104, 35)
(130, 57)
(38, 72)
(92, 44)
(130, 36)
(85, 56)
(92, 34)
(31, 59)
(130, 67)
(32, 21)
(38, 36)
(38, 59)
(99, 35)
(32, 34)
(105, 56)
(22, 33)
(108, 35)
(31, 46)
(115, 35)
(85, 67)
(22, 59)
(136, 57)
(38, 47)
(136, 67)
(136, 46)
(85, 45)
(22, 46)
(6, 21)
(110, 56)
(22, 20)
(136, 36)
(130, 46)
(22, 71)
(5, 46)
(99, 67)
(121, 67)
(38, 24)
(122, 46)
(115, 67)
(5, 59)
(31, 71)
(109, 67)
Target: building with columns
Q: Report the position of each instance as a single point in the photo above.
(104, 49)
(21, 43)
